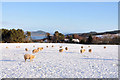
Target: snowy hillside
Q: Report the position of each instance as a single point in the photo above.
(50, 63)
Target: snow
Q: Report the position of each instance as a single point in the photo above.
(50, 63)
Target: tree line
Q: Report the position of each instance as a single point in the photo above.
(14, 36)
(19, 36)
(59, 38)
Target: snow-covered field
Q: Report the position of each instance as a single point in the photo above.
(50, 63)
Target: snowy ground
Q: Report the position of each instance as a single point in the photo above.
(50, 63)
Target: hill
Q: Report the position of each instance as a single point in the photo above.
(38, 33)
(95, 33)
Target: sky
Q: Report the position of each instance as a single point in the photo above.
(65, 17)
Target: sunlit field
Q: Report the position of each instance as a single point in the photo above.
(95, 61)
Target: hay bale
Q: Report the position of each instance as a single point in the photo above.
(29, 56)
(26, 49)
(90, 50)
(66, 48)
(60, 50)
(82, 50)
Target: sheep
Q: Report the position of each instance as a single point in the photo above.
(90, 50)
(66, 48)
(17, 46)
(29, 56)
(81, 46)
(52, 46)
(60, 46)
(26, 49)
(104, 47)
(40, 48)
(82, 50)
(33, 46)
(35, 51)
(60, 50)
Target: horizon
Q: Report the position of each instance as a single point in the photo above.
(69, 32)
(65, 17)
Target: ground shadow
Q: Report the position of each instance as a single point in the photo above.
(8, 60)
(101, 59)
(69, 52)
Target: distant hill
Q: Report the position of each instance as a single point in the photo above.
(109, 32)
(95, 33)
(38, 33)
(42, 34)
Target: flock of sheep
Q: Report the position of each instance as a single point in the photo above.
(30, 56)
